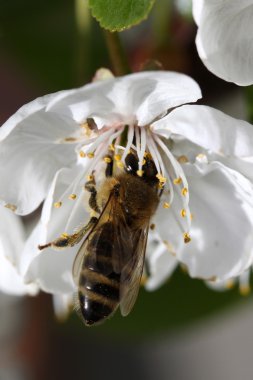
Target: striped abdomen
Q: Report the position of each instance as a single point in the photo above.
(98, 282)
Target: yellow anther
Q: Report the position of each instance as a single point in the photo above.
(90, 177)
(120, 165)
(147, 155)
(82, 154)
(161, 178)
(11, 207)
(90, 155)
(177, 181)
(140, 173)
(64, 235)
(107, 160)
(191, 216)
(57, 204)
(183, 213)
(187, 238)
(111, 148)
(244, 290)
(143, 161)
(229, 284)
(166, 205)
(184, 191)
(160, 185)
(183, 159)
(72, 196)
(70, 139)
(117, 157)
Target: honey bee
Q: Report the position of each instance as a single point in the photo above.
(109, 264)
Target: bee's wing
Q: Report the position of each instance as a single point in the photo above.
(106, 212)
(132, 271)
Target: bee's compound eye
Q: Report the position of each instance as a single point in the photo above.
(131, 162)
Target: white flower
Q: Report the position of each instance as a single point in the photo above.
(12, 238)
(224, 38)
(202, 156)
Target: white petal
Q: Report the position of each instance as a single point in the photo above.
(224, 38)
(63, 304)
(11, 245)
(12, 234)
(31, 154)
(222, 239)
(210, 129)
(10, 281)
(141, 96)
(54, 222)
(161, 262)
(197, 7)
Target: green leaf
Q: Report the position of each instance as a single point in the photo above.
(117, 15)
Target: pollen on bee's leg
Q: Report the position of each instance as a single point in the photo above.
(187, 238)
(140, 173)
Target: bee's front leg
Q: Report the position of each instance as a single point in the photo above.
(66, 240)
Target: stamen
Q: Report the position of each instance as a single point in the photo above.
(90, 155)
(107, 160)
(244, 283)
(117, 157)
(11, 207)
(120, 164)
(130, 137)
(64, 235)
(183, 213)
(184, 191)
(166, 205)
(229, 284)
(90, 177)
(183, 159)
(72, 197)
(82, 154)
(57, 204)
(187, 238)
(161, 178)
(111, 148)
(177, 181)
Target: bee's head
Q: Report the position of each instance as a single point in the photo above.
(149, 169)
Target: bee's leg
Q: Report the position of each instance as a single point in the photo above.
(90, 186)
(66, 240)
